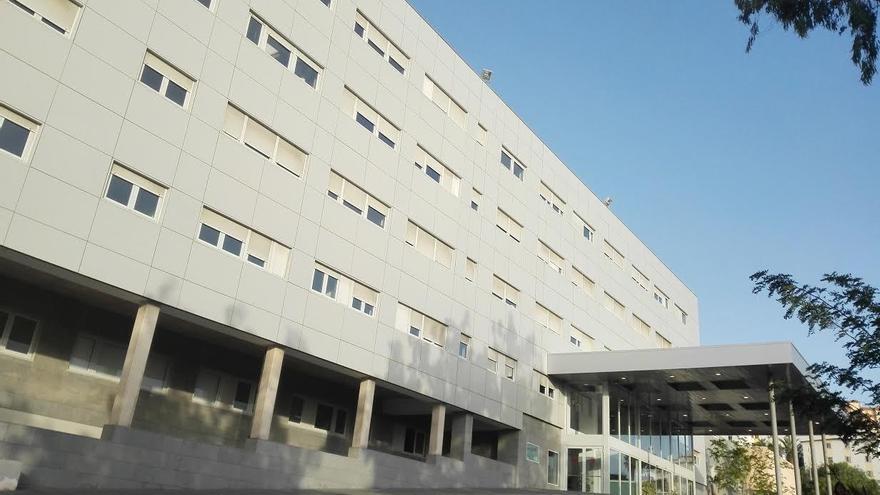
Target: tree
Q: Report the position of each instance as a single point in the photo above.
(859, 17)
(853, 479)
(848, 308)
(742, 466)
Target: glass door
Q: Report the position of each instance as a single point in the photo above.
(584, 470)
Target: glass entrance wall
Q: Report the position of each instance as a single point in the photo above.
(584, 470)
(584, 411)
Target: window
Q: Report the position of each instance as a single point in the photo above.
(97, 356)
(357, 200)
(476, 199)
(581, 340)
(613, 254)
(498, 359)
(371, 120)
(482, 135)
(550, 257)
(543, 385)
(17, 133)
(547, 319)
(256, 136)
(508, 225)
(682, 314)
(437, 172)
(282, 50)
(206, 3)
(470, 269)
(428, 245)
(343, 289)
(379, 42)
(616, 307)
(18, 334)
(242, 242)
(640, 279)
(513, 164)
(552, 467)
(444, 101)
(464, 346)
(420, 326)
(661, 298)
(156, 373)
(640, 325)
(166, 80)
(414, 441)
(59, 15)
(134, 192)
(584, 282)
(224, 391)
(532, 453)
(504, 291)
(324, 417)
(662, 342)
(326, 2)
(551, 199)
(584, 228)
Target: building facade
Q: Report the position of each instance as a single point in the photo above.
(302, 244)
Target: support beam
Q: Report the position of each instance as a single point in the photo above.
(438, 422)
(366, 393)
(135, 363)
(825, 463)
(792, 431)
(606, 446)
(773, 429)
(814, 468)
(266, 393)
(462, 436)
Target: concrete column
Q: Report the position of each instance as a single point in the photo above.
(438, 422)
(266, 393)
(361, 437)
(134, 366)
(792, 431)
(773, 429)
(825, 463)
(606, 447)
(814, 468)
(462, 436)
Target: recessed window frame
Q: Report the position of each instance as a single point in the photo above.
(225, 382)
(464, 346)
(640, 325)
(544, 386)
(550, 198)
(586, 230)
(357, 200)
(661, 298)
(683, 316)
(444, 101)
(641, 280)
(533, 453)
(470, 270)
(254, 245)
(547, 318)
(170, 75)
(353, 294)
(380, 43)
(429, 245)
(32, 127)
(508, 225)
(252, 133)
(496, 358)
(88, 365)
(581, 340)
(550, 257)
(613, 254)
(138, 183)
(6, 332)
(443, 175)
(63, 21)
(580, 279)
(363, 113)
(661, 341)
(295, 55)
(504, 291)
(513, 164)
(614, 306)
(420, 326)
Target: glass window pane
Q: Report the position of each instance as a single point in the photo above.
(505, 159)
(385, 139)
(209, 234)
(206, 3)
(374, 216)
(296, 409)
(318, 281)
(207, 385)
(278, 51)
(146, 203)
(253, 31)
(110, 358)
(21, 335)
(324, 417)
(151, 78)
(376, 47)
(340, 422)
(432, 173)
(119, 190)
(257, 261)
(359, 30)
(395, 64)
(332, 282)
(232, 245)
(306, 72)
(175, 93)
(365, 122)
(13, 137)
(242, 396)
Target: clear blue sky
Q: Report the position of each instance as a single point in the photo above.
(722, 162)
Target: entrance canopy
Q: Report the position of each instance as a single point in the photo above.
(708, 390)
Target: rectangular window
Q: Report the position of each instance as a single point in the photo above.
(206, 3)
(544, 386)
(59, 15)
(682, 315)
(512, 164)
(240, 241)
(357, 200)
(662, 342)
(476, 199)
(17, 133)
(551, 257)
(482, 135)
(282, 50)
(442, 99)
(419, 325)
(18, 333)
(581, 340)
(437, 171)
(547, 319)
(297, 405)
(500, 362)
(324, 417)
(344, 290)
(552, 467)
(224, 391)
(166, 80)
(613, 254)
(504, 291)
(156, 373)
(551, 199)
(614, 306)
(533, 453)
(371, 119)
(640, 279)
(134, 191)
(640, 325)
(661, 298)
(246, 130)
(97, 356)
(508, 225)
(464, 346)
(425, 243)
(414, 441)
(585, 229)
(380, 43)
(470, 270)
(584, 282)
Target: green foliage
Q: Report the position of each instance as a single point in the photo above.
(849, 309)
(740, 466)
(859, 17)
(856, 481)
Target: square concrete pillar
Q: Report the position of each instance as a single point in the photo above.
(438, 422)
(462, 436)
(134, 366)
(361, 437)
(266, 393)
